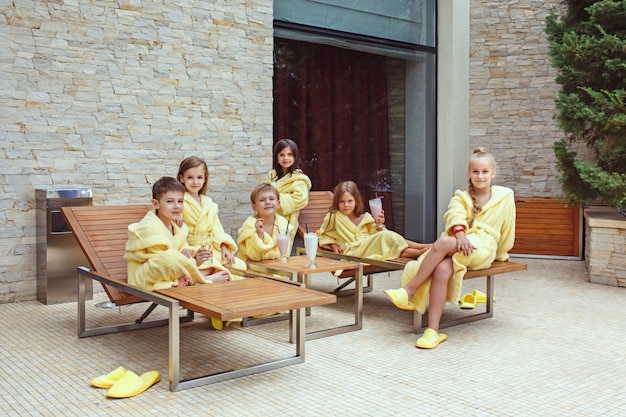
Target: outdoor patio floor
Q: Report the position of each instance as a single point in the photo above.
(553, 348)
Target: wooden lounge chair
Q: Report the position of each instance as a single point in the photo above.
(319, 204)
(313, 215)
(102, 232)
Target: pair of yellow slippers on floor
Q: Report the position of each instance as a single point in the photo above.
(123, 383)
(470, 300)
(218, 324)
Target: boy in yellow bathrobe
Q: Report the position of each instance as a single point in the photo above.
(258, 237)
(480, 228)
(157, 252)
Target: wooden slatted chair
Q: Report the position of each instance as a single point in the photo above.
(322, 200)
(102, 231)
(107, 236)
(312, 216)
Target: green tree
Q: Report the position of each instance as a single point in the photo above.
(588, 46)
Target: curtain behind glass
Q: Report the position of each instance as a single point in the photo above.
(333, 103)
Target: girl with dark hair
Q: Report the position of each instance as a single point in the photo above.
(292, 183)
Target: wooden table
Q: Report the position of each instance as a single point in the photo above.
(241, 298)
(297, 266)
(244, 298)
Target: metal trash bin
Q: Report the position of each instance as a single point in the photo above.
(58, 252)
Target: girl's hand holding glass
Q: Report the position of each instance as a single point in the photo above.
(380, 221)
(203, 255)
(206, 251)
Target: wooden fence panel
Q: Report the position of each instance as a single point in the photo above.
(546, 226)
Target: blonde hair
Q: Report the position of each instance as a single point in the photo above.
(478, 153)
(261, 188)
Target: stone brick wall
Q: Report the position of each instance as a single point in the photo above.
(112, 95)
(512, 92)
(605, 248)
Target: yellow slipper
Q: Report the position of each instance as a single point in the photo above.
(107, 381)
(233, 321)
(468, 301)
(131, 384)
(400, 299)
(480, 296)
(430, 339)
(217, 324)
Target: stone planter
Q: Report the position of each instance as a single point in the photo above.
(605, 249)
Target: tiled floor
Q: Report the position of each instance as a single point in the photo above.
(554, 347)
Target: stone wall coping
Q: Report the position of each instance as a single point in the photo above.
(602, 216)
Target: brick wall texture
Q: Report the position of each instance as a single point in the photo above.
(512, 93)
(112, 95)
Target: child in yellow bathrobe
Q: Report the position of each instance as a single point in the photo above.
(480, 228)
(157, 253)
(258, 237)
(348, 229)
(292, 184)
(200, 214)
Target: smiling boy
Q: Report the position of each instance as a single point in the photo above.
(257, 238)
(157, 252)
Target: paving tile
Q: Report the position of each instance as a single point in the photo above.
(554, 347)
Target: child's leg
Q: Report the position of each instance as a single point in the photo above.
(438, 292)
(414, 250)
(416, 245)
(444, 247)
(412, 253)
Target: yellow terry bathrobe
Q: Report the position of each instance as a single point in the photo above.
(252, 247)
(153, 255)
(492, 233)
(363, 240)
(294, 196)
(203, 221)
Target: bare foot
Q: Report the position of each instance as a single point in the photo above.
(220, 276)
(182, 281)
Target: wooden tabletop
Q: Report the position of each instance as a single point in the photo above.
(246, 298)
(298, 264)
